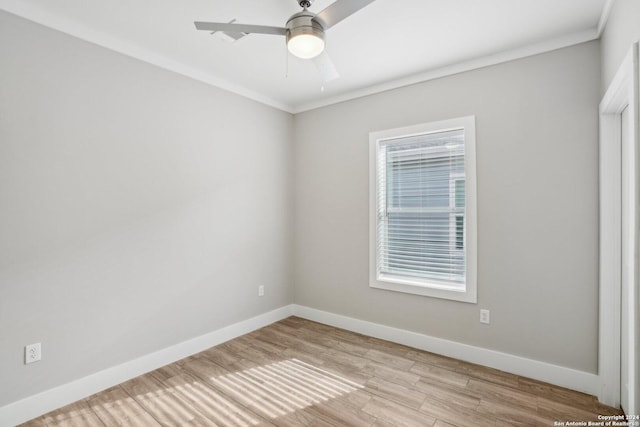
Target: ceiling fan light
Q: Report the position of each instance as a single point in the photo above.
(305, 46)
(305, 36)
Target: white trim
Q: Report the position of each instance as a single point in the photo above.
(565, 377)
(609, 324)
(75, 29)
(428, 287)
(461, 67)
(604, 16)
(34, 406)
(622, 93)
(41, 403)
(128, 48)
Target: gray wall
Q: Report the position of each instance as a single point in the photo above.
(139, 208)
(622, 30)
(537, 122)
(133, 202)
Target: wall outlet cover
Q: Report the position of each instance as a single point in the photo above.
(485, 316)
(32, 353)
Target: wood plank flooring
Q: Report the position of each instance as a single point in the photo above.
(301, 373)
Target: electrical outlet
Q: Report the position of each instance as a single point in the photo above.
(261, 290)
(32, 353)
(485, 316)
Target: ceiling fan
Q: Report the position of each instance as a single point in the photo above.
(304, 31)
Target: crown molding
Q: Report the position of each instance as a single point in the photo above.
(461, 67)
(78, 30)
(604, 16)
(128, 48)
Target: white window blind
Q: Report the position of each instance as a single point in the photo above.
(421, 207)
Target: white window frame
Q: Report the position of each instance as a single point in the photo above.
(429, 287)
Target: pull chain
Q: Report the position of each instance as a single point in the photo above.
(286, 72)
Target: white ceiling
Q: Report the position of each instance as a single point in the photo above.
(387, 44)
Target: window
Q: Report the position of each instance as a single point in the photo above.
(423, 210)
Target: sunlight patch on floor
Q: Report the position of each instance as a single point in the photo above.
(271, 391)
(216, 407)
(284, 387)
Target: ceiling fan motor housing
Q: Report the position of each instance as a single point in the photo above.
(303, 23)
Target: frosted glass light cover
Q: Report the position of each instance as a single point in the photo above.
(306, 46)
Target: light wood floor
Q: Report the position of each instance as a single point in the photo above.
(300, 373)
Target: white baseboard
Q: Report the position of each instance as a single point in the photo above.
(34, 406)
(41, 403)
(565, 377)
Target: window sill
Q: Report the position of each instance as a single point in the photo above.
(436, 290)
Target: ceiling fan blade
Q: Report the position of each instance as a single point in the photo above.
(241, 28)
(340, 10)
(326, 67)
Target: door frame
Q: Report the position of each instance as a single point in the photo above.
(622, 93)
